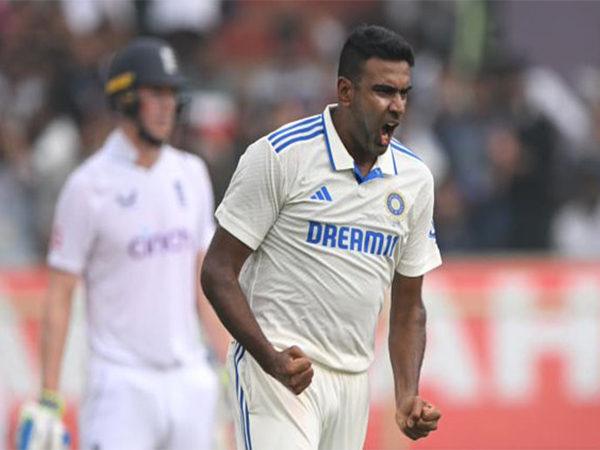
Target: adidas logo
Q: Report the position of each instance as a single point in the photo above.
(322, 194)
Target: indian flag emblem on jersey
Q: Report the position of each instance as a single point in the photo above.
(395, 204)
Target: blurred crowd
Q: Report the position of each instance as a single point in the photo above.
(514, 147)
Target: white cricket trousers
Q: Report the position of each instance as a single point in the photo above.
(133, 408)
(332, 413)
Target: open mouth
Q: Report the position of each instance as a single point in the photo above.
(387, 132)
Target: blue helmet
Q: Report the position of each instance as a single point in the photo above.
(145, 61)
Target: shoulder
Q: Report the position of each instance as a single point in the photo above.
(100, 173)
(88, 183)
(295, 133)
(409, 160)
(191, 164)
(88, 174)
(402, 151)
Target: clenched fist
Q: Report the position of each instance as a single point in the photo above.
(292, 368)
(416, 417)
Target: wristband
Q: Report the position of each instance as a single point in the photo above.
(52, 401)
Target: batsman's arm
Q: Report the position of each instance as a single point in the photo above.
(219, 277)
(40, 422)
(55, 324)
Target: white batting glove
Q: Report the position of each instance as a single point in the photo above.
(40, 424)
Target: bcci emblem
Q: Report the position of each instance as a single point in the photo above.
(395, 204)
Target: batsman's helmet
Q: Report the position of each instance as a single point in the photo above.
(145, 61)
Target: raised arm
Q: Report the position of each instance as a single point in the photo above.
(415, 417)
(219, 278)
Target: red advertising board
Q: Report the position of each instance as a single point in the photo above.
(513, 356)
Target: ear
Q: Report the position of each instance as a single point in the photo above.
(345, 91)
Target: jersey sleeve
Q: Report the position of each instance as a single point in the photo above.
(421, 253)
(206, 220)
(72, 232)
(255, 195)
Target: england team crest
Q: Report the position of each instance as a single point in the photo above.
(396, 204)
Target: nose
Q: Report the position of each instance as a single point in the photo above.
(398, 105)
(168, 100)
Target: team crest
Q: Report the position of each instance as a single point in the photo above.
(179, 192)
(127, 200)
(396, 204)
(169, 61)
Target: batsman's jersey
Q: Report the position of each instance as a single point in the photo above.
(134, 235)
(327, 241)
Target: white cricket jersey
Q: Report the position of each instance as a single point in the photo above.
(327, 241)
(134, 235)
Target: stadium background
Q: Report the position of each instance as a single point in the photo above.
(505, 110)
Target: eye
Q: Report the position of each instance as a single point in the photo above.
(404, 93)
(385, 91)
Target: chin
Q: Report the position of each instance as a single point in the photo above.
(163, 135)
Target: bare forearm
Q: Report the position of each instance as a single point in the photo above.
(222, 289)
(407, 346)
(222, 265)
(55, 324)
(218, 336)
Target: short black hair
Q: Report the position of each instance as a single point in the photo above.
(372, 41)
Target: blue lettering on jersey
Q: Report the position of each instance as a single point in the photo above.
(329, 238)
(356, 238)
(376, 240)
(351, 238)
(343, 237)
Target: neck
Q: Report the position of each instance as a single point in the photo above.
(147, 153)
(342, 121)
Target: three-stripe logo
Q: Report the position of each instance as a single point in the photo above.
(322, 194)
(303, 130)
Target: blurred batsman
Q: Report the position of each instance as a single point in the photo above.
(321, 217)
(133, 222)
